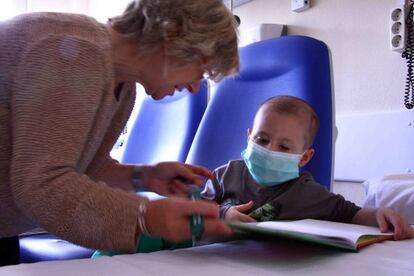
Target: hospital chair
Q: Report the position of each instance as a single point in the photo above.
(290, 65)
(48, 247)
(163, 130)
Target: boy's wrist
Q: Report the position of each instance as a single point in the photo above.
(223, 209)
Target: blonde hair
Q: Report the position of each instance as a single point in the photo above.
(189, 30)
(294, 106)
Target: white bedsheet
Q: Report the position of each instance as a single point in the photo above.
(393, 191)
(280, 257)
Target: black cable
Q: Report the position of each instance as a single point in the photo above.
(408, 55)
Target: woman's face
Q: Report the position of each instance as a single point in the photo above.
(158, 73)
(172, 79)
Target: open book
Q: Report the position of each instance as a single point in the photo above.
(342, 235)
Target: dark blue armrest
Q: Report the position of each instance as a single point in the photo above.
(47, 247)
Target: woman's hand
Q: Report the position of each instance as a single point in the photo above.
(173, 178)
(388, 219)
(235, 213)
(170, 218)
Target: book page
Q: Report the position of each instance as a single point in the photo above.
(321, 228)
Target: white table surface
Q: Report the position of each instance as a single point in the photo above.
(245, 257)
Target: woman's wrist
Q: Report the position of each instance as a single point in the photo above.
(138, 178)
(142, 226)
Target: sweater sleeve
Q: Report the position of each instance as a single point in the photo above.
(213, 190)
(102, 160)
(315, 202)
(57, 93)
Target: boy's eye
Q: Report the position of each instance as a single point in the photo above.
(261, 140)
(284, 148)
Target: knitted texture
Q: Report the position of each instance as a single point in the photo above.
(59, 119)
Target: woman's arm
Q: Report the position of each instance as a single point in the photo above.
(58, 94)
(164, 178)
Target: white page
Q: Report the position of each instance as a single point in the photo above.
(323, 228)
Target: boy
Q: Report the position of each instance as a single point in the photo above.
(268, 182)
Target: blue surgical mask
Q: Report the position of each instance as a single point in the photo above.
(270, 168)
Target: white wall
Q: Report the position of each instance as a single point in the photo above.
(368, 76)
(99, 9)
(103, 9)
(69, 6)
(9, 8)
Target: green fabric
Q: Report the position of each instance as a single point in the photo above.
(263, 213)
(147, 244)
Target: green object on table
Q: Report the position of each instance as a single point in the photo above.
(196, 220)
(263, 213)
(148, 244)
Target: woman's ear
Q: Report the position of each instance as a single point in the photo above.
(306, 157)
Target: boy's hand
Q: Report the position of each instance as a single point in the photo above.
(235, 213)
(387, 217)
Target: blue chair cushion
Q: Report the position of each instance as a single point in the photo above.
(164, 129)
(290, 65)
(47, 247)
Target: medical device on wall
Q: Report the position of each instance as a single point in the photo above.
(408, 55)
(401, 40)
(300, 5)
(233, 4)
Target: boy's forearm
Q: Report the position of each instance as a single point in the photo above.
(366, 216)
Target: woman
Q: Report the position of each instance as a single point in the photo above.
(67, 87)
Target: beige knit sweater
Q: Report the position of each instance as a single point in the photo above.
(59, 119)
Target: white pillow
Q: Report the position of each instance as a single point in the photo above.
(392, 191)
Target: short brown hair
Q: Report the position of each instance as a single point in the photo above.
(294, 106)
(193, 29)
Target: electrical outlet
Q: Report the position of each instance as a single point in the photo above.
(300, 5)
(397, 28)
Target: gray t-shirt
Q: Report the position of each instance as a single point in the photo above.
(299, 198)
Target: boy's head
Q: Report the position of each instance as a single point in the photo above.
(285, 124)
